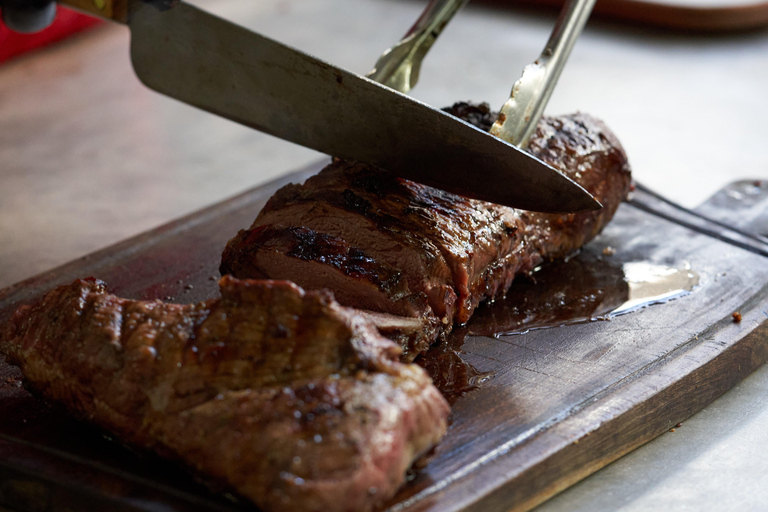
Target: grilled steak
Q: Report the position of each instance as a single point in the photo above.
(361, 279)
(282, 395)
(394, 246)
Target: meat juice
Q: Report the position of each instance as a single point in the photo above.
(585, 288)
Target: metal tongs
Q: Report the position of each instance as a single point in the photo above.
(398, 67)
(521, 113)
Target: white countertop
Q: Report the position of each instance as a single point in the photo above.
(89, 157)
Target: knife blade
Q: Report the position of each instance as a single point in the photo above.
(216, 65)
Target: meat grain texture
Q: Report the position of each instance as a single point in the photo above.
(396, 247)
(279, 394)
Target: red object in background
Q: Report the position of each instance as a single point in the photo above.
(67, 22)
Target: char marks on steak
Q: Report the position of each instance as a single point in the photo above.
(362, 280)
(282, 395)
(427, 254)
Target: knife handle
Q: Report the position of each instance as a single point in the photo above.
(113, 10)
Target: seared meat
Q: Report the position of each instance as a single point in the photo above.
(282, 395)
(362, 280)
(586, 151)
(375, 288)
(353, 202)
(441, 243)
(445, 253)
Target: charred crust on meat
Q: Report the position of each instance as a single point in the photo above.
(377, 184)
(479, 115)
(307, 245)
(356, 203)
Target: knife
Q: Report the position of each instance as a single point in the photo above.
(195, 57)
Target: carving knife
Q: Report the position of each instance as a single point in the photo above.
(191, 55)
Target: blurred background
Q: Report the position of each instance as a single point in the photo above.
(89, 157)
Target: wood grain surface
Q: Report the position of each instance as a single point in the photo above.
(561, 402)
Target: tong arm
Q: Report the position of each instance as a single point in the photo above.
(399, 66)
(521, 113)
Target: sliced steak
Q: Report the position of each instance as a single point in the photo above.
(282, 395)
(456, 252)
(363, 280)
(328, 203)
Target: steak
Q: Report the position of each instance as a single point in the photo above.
(362, 280)
(352, 202)
(279, 394)
(420, 252)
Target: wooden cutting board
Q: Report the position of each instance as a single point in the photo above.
(554, 406)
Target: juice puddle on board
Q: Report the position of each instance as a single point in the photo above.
(584, 288)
